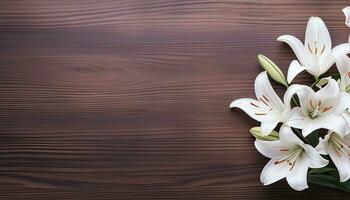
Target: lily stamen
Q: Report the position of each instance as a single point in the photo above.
(313, 114)
(339, 146)
(312, 106)
(335, 149)
(324, 46)
(251, 103)
(284, 149)
(266, 98)
(308, 45)
(261, 99)
(295, 157)
(290, 158)
(260, 113)
(316, 110)
(327, 109)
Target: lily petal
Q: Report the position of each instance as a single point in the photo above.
(315, 159)
(296, 118)
(293, 89)
(326, 62)
(341, 48)
(346, 116)
(274, 172)
(287, 136)
(333, 122)
(322, 146)
(343, 103)
(255, 109)
(338, 55)
(272, 149)
(294, 69)
(267, 127)
(317, 36)
(342, 163)
(304, 95)
(297, 179)
(346, 12)
(331, 90)
(339, 157)
(265, 92)
(297, 47)
(343, 62)
(311, 125)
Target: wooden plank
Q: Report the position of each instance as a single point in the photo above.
(129, 99)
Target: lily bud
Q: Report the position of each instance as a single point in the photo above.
(256, 132)
(272, 69)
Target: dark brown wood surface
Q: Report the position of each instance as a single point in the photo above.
(129, 99)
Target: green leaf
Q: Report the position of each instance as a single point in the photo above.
(313, 138)
(335, 76)
(272, 69)
(256, 132)
(329, 181)
(322, 170)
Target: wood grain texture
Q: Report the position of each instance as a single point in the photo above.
(129, 99)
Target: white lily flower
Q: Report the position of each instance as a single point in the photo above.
(343, 65)
(315, 56)
(321, 109)
(290, 158)
(268, 108)
(338, 148)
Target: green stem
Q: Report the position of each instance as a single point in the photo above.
(295, 101)
(317, 79)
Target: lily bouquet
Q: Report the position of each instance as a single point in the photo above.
(307, 134)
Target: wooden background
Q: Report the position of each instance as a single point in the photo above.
(129, 99)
